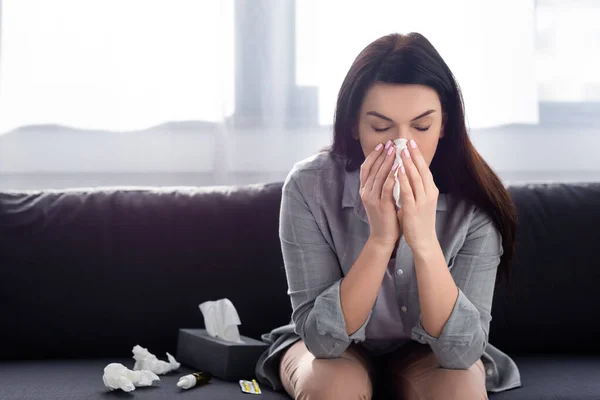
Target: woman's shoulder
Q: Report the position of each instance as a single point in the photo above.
(323, 161)
(318, 168)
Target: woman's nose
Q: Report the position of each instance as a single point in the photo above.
(405, 137)
(402, 133)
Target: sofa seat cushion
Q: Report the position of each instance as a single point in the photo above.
(556, 378)
(82, 379)
(544, 378)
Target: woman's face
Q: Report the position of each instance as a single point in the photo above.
(391, 111)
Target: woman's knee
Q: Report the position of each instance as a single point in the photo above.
(334, 379)
(307, 378)
(440, 383)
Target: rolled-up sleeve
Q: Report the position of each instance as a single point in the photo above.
(465, 334)
(314, 276)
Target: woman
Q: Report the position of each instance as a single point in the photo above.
(386, 298)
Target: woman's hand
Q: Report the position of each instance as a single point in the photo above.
(376, 184)
(419, 200)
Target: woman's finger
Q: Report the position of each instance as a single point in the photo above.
(369, 182)
(388, 186)
(365, 168)
(413, 176)
(384, 171)
(406, 192)
(422, 167)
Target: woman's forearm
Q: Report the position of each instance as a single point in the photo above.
(360, 286)
(437, 290)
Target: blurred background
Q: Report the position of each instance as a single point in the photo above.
(228, 92)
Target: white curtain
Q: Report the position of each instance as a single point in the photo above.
(124, 65)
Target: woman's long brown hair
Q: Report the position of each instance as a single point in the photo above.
(457, 167)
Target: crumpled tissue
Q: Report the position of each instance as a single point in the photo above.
(221, 319)
(117, 376)
(400, 145)
(144, 360)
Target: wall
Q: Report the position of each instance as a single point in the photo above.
(199, 154)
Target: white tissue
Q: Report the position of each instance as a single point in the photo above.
(221, 319)
(117, 376)
(400, 145)
(144, 360)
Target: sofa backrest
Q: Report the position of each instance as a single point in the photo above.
(93, 272)
(552, 303)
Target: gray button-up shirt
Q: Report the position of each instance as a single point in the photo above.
(323, 228)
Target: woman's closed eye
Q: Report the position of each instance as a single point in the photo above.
(381, 129)
(419, 128)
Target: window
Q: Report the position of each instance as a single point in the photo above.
(209, 92)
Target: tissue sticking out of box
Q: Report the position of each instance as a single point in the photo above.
(144, 360)
(400, 145)
(221, 320)
(117, 376)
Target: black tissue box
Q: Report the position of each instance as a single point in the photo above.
(226, 360)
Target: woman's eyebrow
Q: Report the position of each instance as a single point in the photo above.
(426, 113)
(376, 114)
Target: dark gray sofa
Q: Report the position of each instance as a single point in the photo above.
(86, 275)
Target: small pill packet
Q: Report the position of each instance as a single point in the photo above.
(250, 386)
